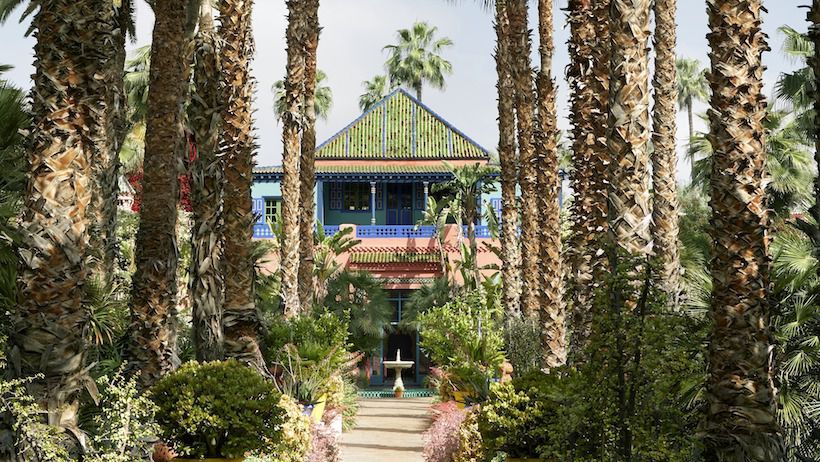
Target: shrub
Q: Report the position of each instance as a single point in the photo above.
(321, 336)
(523, 344)
(324, 446)
(342, 396)
(124, 424)
(294, 442)
(217, 409)
(441, 440)
(470, 443)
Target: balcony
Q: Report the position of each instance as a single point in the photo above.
(263, 231)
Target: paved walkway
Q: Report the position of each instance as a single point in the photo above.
(387, 430)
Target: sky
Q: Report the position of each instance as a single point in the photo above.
(350, 52)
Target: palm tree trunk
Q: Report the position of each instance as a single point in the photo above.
(630, 244)
(664, 159)
(307, 171)
(294, 96)
(207, 283)
(551, 312)
(154, 289)
(510, 255)
(108, 139)
(240, 319)
(525, 109)
(740, 418)
(68, 105)
(690, 115)
(472, 214)
(588, 75)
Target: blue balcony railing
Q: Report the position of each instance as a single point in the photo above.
(481, 232)
(331, 230)
(262, 231)
(395, 231)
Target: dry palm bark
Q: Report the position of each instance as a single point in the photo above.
(307, 172)
(588, 75)
(551, 312)
(292, 123)
(740, 419)
(510, 255)
(153, 301)
(240, 320)
(664, 158)
(68, 111)
(108, 138)
(207, 283)
(520, 46)
(629, 134)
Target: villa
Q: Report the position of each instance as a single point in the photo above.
(375, 175)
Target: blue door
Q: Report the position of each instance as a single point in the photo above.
(400, 204)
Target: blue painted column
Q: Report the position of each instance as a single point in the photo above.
(260, 227)
(372, 202)
(320, 202)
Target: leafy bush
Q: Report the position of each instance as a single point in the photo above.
(124, 424)
(470, 442)
(464, 338)
(441, 440)
(294, 442)
(517, 421)
(359, 297)
(217, 409)
(342, 396)
(317, 337)
(523, 344)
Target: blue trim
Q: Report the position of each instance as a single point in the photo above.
(320, 201)
(396, 231)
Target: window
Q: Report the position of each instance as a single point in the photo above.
(273, 208)
(357, 197)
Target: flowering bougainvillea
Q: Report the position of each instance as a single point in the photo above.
(441, 440)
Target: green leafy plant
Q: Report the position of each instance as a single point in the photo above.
(359, 297)
(217, 409)
(294, 443)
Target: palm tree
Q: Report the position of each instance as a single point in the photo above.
(464, 192)
(307, 171)
(664, 159)
(691, 86)
(520, 46)
(323, 103)
(206, 281)
(797, 88)
(136, 84)
(588, 75)
(416, 58)
(740, 419)
(551, 313)
(375, 90)
(240, 317)
(154, 286)
(109, 133)
(68, 101)
(510, 255)
(297, 31)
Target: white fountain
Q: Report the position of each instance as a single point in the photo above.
(398, 365)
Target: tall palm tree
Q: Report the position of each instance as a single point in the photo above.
(206, 281)
(68, 103)
(664, 158)
(588, 75)
(240, 318)
(551, 313)
(323, 102)
(108, 137)
(740, 419)
(510, 256)
(307, 172)
(154, 286)
(797, 88)
(520, 46)
(691, 86)
(374, 91)
(291, 180)
(629, 213)
(416, 58)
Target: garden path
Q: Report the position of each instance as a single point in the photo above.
(387, 430)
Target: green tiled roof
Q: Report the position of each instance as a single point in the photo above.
(400, 127)
(375, 168)
(393, 257)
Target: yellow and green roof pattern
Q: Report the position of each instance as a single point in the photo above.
(400, 127)
(376, 258)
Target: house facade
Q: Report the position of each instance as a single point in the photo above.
(375, 176)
